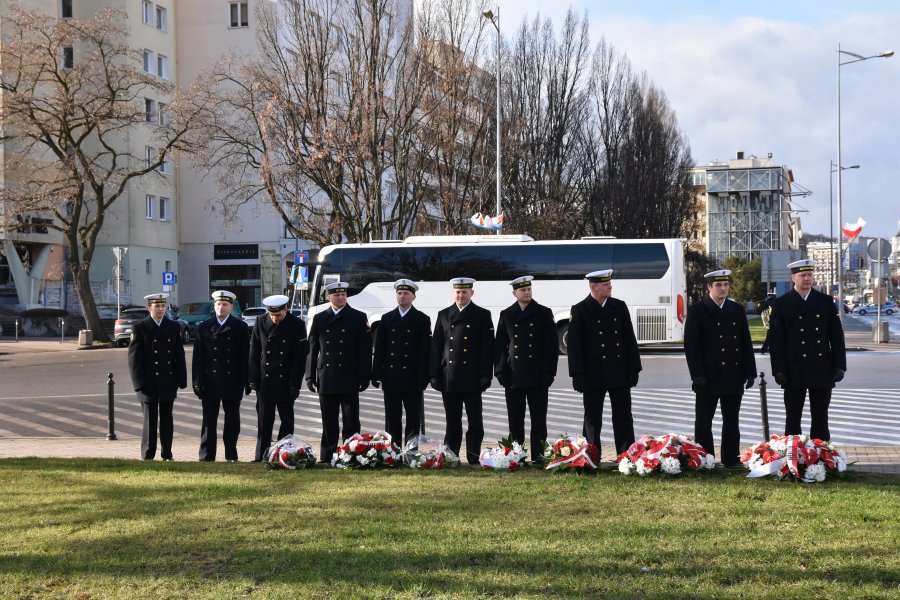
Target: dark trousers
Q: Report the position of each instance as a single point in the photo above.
(623, 425)
(819, 399)
(394, 405)
(453, 407)
(230, 430)
(333, 405)
(265, 413)
(536, 400)
(705, 410)
(154, 410)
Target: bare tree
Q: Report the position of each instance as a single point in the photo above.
(641, 184)
(320, 120)
(546, 155)
(72, 91)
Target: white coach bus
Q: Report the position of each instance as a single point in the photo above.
(648, 275)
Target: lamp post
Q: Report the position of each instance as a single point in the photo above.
(831, 226)
(119, 253)
(495, 21)
(854, 58)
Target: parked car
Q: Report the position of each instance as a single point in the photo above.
(131, 316)
(249, 315)
(197, 312)
(888, 308)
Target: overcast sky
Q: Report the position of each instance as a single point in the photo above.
(761, 77)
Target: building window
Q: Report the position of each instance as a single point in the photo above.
(148, 61)
(163, 114)
(66, 9)
(148, 265)
(162, 66)
(168, 266)
(165, 167)
(68, 57)
(162, 19)
(164, 210)
(150, 155)
(147, 13)
(239, 14)
(149, 211)
(150, 110)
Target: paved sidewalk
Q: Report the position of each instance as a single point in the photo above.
(870, 459)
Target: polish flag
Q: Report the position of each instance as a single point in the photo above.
(851, 231)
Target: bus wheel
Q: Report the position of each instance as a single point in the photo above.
(563, 337)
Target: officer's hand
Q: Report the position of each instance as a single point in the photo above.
(838, 375)
(436, 384)
(248, 389)
(252, 386)
(698, 385)
(198, 391)
(311, 386)
(547, 380)
(780, 379)
(578, 383)
(376, 383)
(749, 383)
(501, 379)
(293, 392)
(181, 387)
(633, 380)
(485, 383)
(363, 385)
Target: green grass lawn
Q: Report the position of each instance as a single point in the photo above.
(757, 331)
(92, 528)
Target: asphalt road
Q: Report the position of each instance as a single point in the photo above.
(59, 394)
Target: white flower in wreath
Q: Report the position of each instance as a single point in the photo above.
(670, 466)
(642, 468)
(816, 472)
(372, 452)
(565, 451)
(352, 445)
(626, 467)
(709, 461)
(841, 463)
(362, 460)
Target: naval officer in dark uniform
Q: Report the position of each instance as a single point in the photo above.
(806, 346)
(462, 355)
(604, 358)
(526, 352)
(720, 359)
(158, 370)
(400, 362)
(219, 373)
(340, 365)
(278, 348)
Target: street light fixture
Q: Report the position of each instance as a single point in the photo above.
(855, 58)
(831, 224)
(495, 21)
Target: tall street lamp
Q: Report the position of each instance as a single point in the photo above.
(854, 58)
(495, 21)
(831, 225)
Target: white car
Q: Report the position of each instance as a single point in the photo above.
(249, 315)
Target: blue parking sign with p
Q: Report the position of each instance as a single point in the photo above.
(168, 278)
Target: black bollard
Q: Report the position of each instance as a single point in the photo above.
(764, 405)
(422, 416)
(111, 420)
